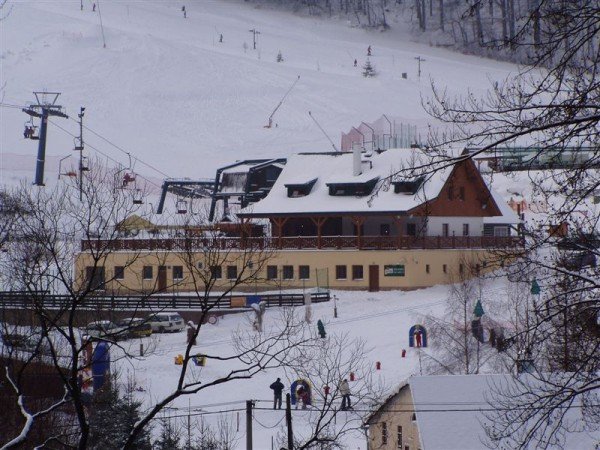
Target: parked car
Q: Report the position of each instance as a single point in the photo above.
(105, 329)
(162, 322)
(136, 327)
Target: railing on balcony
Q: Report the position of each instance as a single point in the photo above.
(305, 243)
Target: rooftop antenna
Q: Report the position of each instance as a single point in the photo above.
(323, 131)
(45, 107)
(281, 103)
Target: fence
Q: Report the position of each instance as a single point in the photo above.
(17, 299)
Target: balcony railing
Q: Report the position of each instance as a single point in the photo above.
(304, 243)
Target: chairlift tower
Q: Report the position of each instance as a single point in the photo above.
(44, 108)
(79, 148)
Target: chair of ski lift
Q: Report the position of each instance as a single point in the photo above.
(181, 206)
(31, 131)
(138, 197)
(128, 178)
(85, 165)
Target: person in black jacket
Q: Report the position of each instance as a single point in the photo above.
(277, 387)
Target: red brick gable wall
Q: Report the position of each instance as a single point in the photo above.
(464, 194)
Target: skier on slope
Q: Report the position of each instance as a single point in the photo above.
(369, 51)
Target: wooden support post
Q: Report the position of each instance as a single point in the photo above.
(279, 223)
(358, 221)
(319, 221)
(399, 221)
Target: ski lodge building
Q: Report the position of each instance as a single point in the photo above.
(349, 220)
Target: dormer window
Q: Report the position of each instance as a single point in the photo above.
(353, 189)
(295, 190)
(408, 186)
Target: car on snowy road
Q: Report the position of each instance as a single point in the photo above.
(105, 330)
(136, 327)
(163, 322)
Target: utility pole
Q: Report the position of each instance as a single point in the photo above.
(254, 32)
(45, 107)
(288, 421)
(249, 406)
(420, 60)
(79, 148)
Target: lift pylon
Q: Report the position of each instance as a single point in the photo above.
(44, 108)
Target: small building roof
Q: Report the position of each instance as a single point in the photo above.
(337, 168)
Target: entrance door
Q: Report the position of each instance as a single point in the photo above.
(162, 278)
(373, 278)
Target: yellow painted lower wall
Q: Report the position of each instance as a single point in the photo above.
(336, 269)
(394, 428)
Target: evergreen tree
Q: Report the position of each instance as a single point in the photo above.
(369, 69)
(113, 417)
(170, 436)
(279, 57)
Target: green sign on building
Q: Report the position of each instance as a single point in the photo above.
(397, 270)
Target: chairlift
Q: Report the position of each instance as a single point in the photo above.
(85, 166)
(138, 197)
(31, 130)
(181, 206)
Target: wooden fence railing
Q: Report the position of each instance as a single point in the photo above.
(306, 242)
(14, 299)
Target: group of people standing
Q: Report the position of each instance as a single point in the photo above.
(302, 394)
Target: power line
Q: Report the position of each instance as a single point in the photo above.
(101, 152)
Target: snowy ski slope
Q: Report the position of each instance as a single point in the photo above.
(165, 90)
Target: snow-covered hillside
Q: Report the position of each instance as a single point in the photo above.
(167, 91)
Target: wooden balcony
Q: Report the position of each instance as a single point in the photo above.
(304, 243)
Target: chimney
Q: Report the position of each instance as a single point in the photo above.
(356, 160)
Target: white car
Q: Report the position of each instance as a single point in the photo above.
(163, 322)
(105, 329)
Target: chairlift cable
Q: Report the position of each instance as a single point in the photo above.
(101, 152)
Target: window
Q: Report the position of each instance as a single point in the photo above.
(288, 272)
(232, 272)
(411, 229)
(147, 273)
(271, 272)
(465, 229)
(357, 272)
(450, 193)
(119, 272)
(461, 268)
(427, 268)
(384, 433)
(445, 268)
(216, 272)
(384, 229)
(304, 272)
(500, 231)
(178, 272)
(445, 230)
(95, 276)
(340, 273)
(461, 193)
(399, 438)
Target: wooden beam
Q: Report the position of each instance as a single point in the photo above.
(319, 221)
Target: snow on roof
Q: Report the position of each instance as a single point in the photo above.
(449, 410)
(337, 168)
(508, 215)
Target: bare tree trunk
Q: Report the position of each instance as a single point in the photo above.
(442, 15)
(478, 25)
(504, 11)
